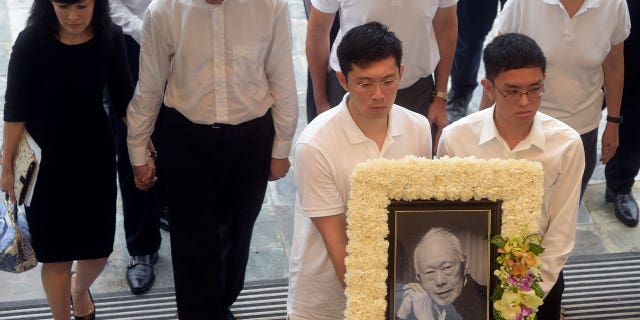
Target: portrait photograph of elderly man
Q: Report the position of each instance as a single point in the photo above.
(442, 271)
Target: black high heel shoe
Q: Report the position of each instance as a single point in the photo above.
(90, 316)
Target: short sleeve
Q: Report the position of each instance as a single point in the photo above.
(623, 27)
(508, 19)
(447, 3)
(317, 190)
(327, 6)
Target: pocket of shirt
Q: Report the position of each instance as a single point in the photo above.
(248, 69)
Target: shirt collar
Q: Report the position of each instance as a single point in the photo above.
(489, 131)
(353, 132)
(588, 4)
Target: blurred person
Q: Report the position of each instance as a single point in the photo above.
(365, 125)
(231, 113)
(621, 170)
(583, 43)
(428, 31)
(475, 20)
(513, 128)
(141, 210)
(445, 290)
(58, 69)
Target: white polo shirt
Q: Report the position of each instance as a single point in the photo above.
(411, 20)
(575, 49)
(325, 155)
(558, 148)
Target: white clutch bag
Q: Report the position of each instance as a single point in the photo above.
(24, 165)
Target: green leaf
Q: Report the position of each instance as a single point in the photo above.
(498, 240)
(535, 248)
(497, 315)
(497, 293)
(536, 287)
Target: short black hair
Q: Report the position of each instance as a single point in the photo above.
(368, 43)
(512, 51)
(43, 17)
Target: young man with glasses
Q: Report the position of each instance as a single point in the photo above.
(514, 129)
(365, 125)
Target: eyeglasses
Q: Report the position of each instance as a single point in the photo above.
(384, 85)
(513, 95)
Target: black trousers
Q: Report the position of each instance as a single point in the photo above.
(551, 308)
(623, 167)
(216, 181)
(141, 210)
(475, 19)
(590, 144)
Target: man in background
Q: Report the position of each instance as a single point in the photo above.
(141, 210)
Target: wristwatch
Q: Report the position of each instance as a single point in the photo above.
(440, 94)
(614, 119)
(152, 154)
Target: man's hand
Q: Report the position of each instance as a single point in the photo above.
(279, 168)
(437, 115)
(609, 142)
(414, 300)
(145, 175)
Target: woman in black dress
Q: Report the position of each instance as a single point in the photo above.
(58, 70)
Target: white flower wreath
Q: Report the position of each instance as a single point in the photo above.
(518, 183)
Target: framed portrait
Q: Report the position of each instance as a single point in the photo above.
(394, 204)
(441, 260)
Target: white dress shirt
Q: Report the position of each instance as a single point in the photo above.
(411, 20)
(325, 155)
(226, 63)
(558, 148)
(575, 48)
(128, 14)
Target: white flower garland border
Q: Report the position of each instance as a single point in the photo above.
(518, 183)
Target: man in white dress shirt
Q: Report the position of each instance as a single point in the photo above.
(514, 129)
(228, 128)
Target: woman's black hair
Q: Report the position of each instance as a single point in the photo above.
(43, 18)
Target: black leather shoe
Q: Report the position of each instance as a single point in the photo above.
(164, 218)
(457, 105)
(140, 275)
(626, 207)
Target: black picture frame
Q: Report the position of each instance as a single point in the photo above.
(470, 221)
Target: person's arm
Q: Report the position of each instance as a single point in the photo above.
(19, 77)
(318, 52)
(445, 27)
(155, 61)
(131, 24)
(562, 210)
(281, 77)
(613, 68)
(334, 234)
(10, 136)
